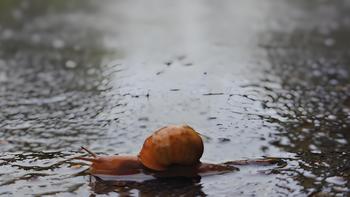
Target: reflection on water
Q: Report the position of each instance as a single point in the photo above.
(256, 78)
(162, 187)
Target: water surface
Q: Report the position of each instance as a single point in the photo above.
(258, 78)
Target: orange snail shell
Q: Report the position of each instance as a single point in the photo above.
(171, 145)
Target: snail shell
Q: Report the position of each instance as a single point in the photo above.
(171, 145)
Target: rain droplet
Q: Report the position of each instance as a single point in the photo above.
(332, 117)
(71, 64)
(336, 180)
(2, 63)
(36, 38)
(58, 44)
(17, 14)
(91, 71)
(3, 77)
(7, 34)
(329, 42)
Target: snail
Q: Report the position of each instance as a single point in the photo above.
(171, 151)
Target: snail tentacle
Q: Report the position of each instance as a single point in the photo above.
(94, 160)
(89, 151)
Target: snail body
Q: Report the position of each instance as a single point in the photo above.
(114, 165)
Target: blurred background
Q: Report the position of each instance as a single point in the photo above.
(257, 78)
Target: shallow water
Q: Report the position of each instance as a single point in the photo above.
(257, 78)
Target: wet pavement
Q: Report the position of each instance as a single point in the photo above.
(257, 78)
